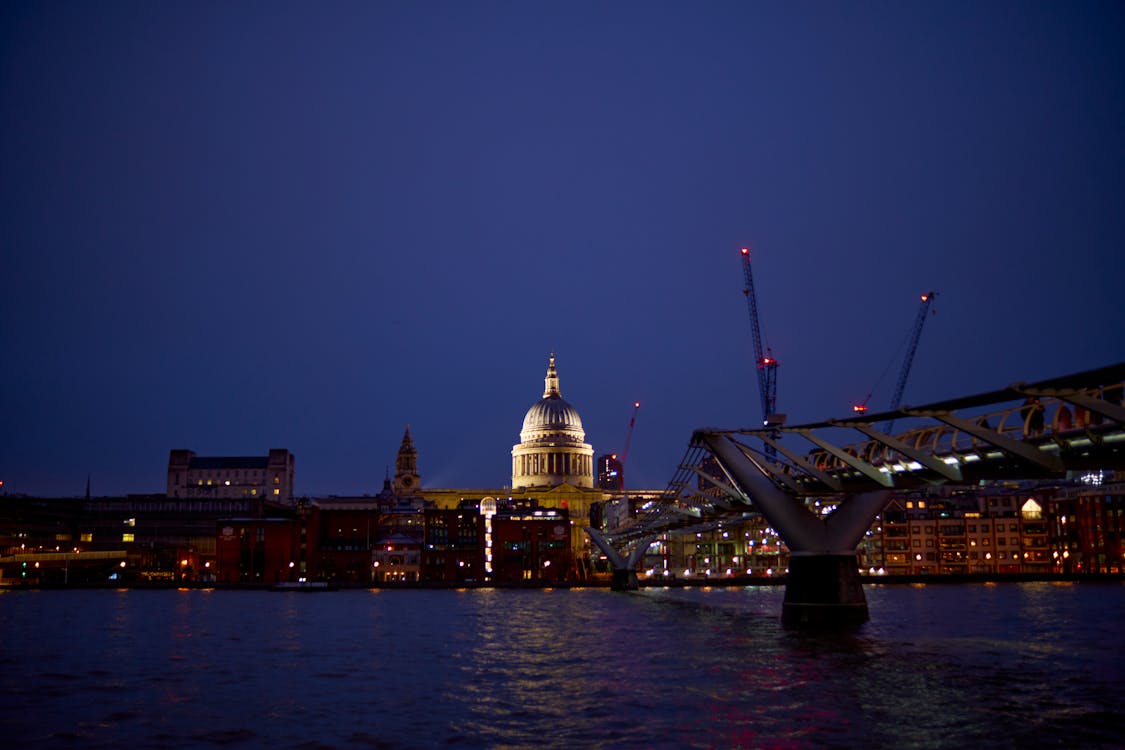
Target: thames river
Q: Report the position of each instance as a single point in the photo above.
(939, 666)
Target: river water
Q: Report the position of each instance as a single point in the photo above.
(939, 666)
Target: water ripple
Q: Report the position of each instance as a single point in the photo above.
(938, 666)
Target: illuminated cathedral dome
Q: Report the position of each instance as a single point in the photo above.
(551, 415)
(552, 448)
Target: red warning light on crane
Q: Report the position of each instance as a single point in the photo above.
(745, 251)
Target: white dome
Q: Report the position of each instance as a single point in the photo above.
(552, 418)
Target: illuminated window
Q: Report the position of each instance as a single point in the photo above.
(127, 537)
(276, 479)
(253, 492)
(86, 537)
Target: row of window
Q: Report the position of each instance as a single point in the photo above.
(948, 557)
(226, 476)
(956, 528)
(525, 546)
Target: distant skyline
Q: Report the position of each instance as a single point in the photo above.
(231, 228)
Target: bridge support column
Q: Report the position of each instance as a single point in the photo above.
(624, 580)
(624, 567)
(824, 591)
(824, 587)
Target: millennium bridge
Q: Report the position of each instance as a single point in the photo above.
(1050, 429)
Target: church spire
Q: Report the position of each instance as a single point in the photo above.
(406, 467)
(551, 382)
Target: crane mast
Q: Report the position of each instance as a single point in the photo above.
(765, 362)
(915, 335)
(629, 435)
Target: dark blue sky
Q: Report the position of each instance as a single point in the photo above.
(237, 226)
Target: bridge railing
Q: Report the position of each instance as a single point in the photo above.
(1033, 420)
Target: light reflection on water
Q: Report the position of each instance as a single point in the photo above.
(1011, 665)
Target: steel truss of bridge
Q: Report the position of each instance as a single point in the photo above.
(1026, 431)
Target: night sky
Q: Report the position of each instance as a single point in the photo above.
(236, 226)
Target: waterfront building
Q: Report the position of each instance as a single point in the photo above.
(349, 530)
(997, 530)
(1086, 526)
(531, 544)
(166, 538)
(747, 548)
(344, 531)
(454, 548)
(38, 523)
(228, 477)
(258, 551)
(397, 558)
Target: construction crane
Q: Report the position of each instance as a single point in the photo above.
(908, 360)
(915, 334)
(765, 362)
(614, 463)
(628, 437)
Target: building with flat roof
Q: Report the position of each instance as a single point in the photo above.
(231, 477)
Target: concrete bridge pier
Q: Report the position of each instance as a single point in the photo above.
(824, 591)
(624, 568)
(624, 580)
(823, 587)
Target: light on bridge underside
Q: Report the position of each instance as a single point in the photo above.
(859, 408)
